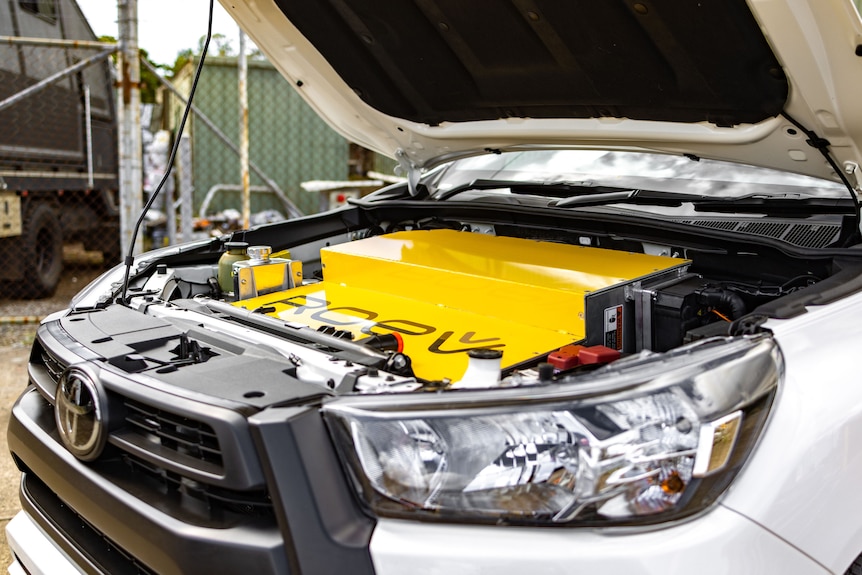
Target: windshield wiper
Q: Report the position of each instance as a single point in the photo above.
(622, 196)
(578, 194)
(550, 189)
(749, 204)
(775, 206)
(585, 194)
(574, 194)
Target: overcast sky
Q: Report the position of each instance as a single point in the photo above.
(165, 27)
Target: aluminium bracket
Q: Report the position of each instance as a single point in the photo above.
(408, 169)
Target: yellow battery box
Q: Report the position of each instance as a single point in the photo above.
(447, 292)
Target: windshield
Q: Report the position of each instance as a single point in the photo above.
(628, 170)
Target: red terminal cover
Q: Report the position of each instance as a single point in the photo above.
(566, 357)
(597, 354)
(400, 341)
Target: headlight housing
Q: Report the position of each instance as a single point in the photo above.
(649, 439)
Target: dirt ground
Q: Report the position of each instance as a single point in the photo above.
(18, 322)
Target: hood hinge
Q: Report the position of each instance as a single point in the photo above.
(409, 170)
(852, 170)
(854, 176)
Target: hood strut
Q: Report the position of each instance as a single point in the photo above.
(130, 257)
(822, 146)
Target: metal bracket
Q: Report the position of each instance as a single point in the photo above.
(854, 177)
(409, 170)
(852, 170)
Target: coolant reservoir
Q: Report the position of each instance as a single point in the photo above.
(235, 253)
(261, 274)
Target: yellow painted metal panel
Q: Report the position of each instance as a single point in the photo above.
(447, 292)
(543, 283)
(435, 337)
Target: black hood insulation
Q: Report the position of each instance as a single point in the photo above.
(434, 61)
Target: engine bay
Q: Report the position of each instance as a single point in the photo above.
(445, 292)
(438, 304)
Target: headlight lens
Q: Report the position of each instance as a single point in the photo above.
(648, 439)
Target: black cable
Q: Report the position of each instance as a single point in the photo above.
(822, 145)
(130, 258)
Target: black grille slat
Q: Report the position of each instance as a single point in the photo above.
(174, 439)
(154, 420)
(112, 547)
(174, 432)
(255, 502)
(85, 537)
(54, 366)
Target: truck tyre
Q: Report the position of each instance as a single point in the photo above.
(42, 252)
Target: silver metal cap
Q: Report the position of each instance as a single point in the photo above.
(259, 252)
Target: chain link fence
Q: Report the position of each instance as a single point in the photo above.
(288, 144)
(58, 156)
(59, 201)
(298, 164)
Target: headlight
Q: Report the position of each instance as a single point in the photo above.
(648, 439)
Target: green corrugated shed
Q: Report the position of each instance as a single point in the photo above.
(287, 140)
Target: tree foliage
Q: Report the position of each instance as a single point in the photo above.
(149, 81)
(220, 45)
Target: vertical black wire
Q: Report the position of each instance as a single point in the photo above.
(130, 258)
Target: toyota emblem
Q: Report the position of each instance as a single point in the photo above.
(79, 411)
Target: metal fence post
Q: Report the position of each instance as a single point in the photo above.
(88, 123)
(243, 132)
(184, 166)
(129, 111)
(170, 208)
(171, 204)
